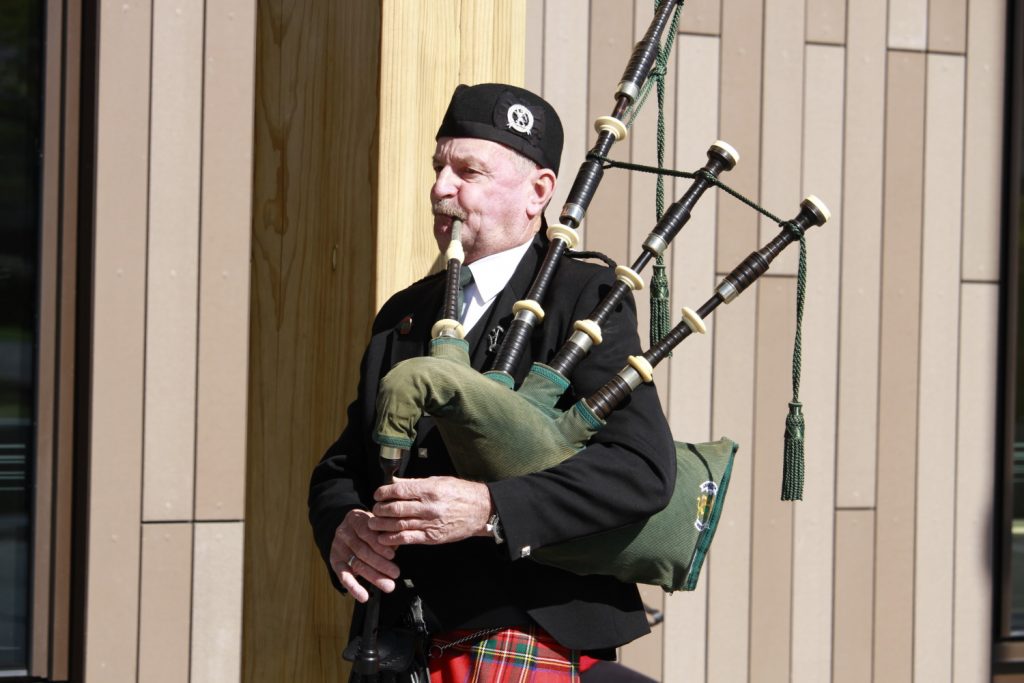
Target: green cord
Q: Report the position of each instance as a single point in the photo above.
(661, 316)
(793, 443)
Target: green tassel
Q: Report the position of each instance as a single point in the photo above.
(661, 318)
(793, 465)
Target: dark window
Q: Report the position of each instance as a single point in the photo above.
(21, 38)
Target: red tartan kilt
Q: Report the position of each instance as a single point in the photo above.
(511, 655)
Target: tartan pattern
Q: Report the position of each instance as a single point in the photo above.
(508, 656)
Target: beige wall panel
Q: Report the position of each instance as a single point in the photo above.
(47, 340)
(782, 125)
(826, 22)
(217, 603)
(901, 268)
(533, 70)
(983, 144)
(645, 653)
(937, 409)
(908, 24)
(165, 603)
(702, 17)
(813, 518)
(740, 125)
(975, 485)
(947, 26)
(173, 274)
(611, 42)
(771, 584)
(854, 574)
(314, 169)
(228, 102)
(733, 416)
(691, 257)
(691, 261)
(684, 634)
(566, 22)
(861, 254)
(118, 324)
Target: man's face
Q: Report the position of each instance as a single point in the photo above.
(490, 188)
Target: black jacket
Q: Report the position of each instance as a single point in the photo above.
(626, 473)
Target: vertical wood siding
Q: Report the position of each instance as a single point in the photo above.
(170, 323)
(892, 113)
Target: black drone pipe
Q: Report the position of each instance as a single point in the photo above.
(813, 212)
(563, 236)
(721, 157)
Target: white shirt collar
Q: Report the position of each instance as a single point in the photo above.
(490, 275)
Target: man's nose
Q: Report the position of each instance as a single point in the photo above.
(445, 184)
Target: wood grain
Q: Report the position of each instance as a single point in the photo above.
(312, 259)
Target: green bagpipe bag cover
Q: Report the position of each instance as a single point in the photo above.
(522, 432)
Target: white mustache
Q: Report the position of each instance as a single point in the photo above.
(447, 207)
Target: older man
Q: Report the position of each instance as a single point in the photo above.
(459, 548)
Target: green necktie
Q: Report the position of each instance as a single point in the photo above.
(465, 277)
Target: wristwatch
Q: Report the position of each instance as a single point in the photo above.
(493, 527)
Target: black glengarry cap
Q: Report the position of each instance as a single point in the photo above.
(508, 115)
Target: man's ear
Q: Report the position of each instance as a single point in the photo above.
(542, 186)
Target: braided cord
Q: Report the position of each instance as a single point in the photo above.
(793, 463)
(661, 317)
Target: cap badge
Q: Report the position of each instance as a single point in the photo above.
(520, 119)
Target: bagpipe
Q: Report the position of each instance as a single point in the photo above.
(494, 430)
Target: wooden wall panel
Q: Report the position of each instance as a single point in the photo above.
(908, 24)
(983, 143)
(771, 577)
(533, 71)
(565, 22)
(782, 119)
(419, 68)
(165, 610)
(862, 580)
(937, 408)
(701, 17)
(975, 483)
(226, 235)
(901, 268)
(728, 582)
(645, 654)
(217, 603)
(118, 325)
(173, 255)
(947, 25)
(691, 263)
(861, 254)
(826, 21)
(611, 42)
(740, 107)
(314, 193)
(854, 586)
(813, 518)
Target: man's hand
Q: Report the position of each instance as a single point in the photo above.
(357, 551)
(431, 511)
